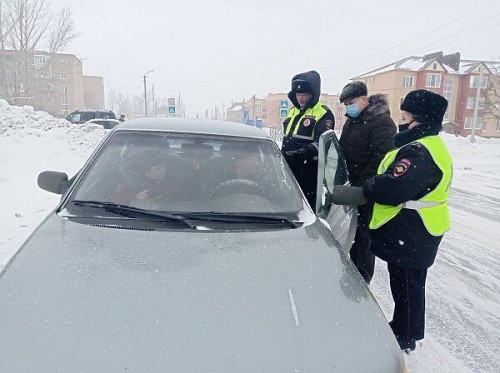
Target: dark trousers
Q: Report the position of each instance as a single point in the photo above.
(360, 253)
(408, 292)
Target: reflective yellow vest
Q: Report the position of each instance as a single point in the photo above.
(317, 111)
(433, 207)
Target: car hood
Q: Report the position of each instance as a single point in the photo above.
(87, 298)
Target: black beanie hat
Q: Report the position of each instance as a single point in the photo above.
(353, 90)
(301, 86)
(427, 104)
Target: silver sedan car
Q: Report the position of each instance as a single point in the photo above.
(185, 245)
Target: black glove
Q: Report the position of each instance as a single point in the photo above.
(348, 195)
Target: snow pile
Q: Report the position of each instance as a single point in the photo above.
(22, 121)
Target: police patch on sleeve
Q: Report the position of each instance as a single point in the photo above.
(401, 167)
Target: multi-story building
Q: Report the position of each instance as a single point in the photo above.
(51, 82)
(460, 81)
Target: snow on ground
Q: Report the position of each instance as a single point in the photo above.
(463, 286)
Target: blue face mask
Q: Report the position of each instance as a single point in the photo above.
(352, 110)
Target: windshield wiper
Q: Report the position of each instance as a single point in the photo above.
(234, 217)
(242, 217)
(133, 212)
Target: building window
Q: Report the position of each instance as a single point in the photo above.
(64, 101)
(447, 88)
(63, 63)
(407, 81)
(64, 88)
(475, 79)
(433, 80)
(39, 60)
(470, 120)
(435, 65)
(498, 125)
(48, 87)
(63, 75)
(471, 101)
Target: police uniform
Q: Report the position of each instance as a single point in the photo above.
(301, 131)
(410, 213)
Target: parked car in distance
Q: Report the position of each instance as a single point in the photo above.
(106, 123)
(82, 116)
(186, 245)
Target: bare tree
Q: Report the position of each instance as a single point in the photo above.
(62, 31)
(4, 32)
(492, 98)
(26, 28)
(29, 22)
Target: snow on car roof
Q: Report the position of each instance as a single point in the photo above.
(194, 125)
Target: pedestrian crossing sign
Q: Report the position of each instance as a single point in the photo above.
(171, 109)
(283, 113)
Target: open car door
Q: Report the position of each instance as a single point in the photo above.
(332, 170)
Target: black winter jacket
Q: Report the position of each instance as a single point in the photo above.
(304, 164)
(366, 139)
(404, 241)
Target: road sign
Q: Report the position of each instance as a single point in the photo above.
(171, 109)
(283, 104)
(171, 101)
(283, 113)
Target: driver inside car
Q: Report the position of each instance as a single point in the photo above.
(239, 170)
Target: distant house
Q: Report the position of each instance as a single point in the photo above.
(457, 80)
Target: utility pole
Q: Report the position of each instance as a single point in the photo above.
(145, 94)
(476, 106)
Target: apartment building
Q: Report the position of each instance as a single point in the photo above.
(51, 82)
(460, 81)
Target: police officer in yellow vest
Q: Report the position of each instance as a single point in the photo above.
(410, 214)
(305, 123)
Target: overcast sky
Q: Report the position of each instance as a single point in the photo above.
(215, 51)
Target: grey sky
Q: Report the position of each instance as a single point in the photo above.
(215, 51)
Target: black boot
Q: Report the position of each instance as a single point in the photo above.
(406, 345)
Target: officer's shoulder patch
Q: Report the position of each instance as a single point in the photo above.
(401, 167)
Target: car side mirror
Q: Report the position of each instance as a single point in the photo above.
(53, 181)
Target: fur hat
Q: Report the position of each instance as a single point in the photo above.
(427, 104)
(301, 86)
(353, 90)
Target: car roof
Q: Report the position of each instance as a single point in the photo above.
(91, 111)
(194, 125)
(103, 119)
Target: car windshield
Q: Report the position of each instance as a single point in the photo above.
(183, 174)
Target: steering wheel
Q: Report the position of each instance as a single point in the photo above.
(238, 186)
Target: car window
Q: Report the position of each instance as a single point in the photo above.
(74, 117)
(185, 173)
(85, 116)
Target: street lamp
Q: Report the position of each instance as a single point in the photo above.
(145, 94)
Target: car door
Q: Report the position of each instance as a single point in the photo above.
(332, 170)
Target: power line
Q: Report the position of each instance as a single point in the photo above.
(108, 36)
(363, 59)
